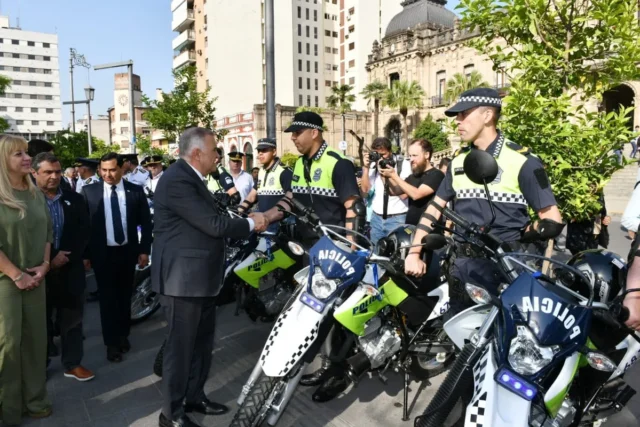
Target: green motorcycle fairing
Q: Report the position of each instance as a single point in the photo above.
(254, 267)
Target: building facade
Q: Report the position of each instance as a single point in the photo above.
(31, 104)
(100, 126)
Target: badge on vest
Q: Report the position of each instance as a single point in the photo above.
(458, 171)
(317, 174)
(498, 177)
(228, 180)
(272, 180)
(295, 178)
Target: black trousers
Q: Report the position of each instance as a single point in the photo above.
(188, 351)
(69, 310)
(115, 286)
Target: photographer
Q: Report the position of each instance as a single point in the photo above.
(421, 185)
(389, 211)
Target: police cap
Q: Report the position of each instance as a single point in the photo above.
(236, 156)
(482, 96)
(266, 143)
(90, 163)
(306, 120)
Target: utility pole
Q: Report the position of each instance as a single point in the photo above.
(271, 72)
(79, 60)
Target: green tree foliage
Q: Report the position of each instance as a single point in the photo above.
(559, 54)
(460, 83)
(341, 98)
(289, 159)
(432, 131)
(374, 92)
(68, 146)
(5, 82)
(183, 107)
(402, 96)
(144, 148)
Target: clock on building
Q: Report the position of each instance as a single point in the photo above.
(123, 100)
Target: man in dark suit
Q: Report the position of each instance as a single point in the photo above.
(116, 208)
(187, 272)
(66, 279)
(37, 146)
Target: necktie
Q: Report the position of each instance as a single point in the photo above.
(118, 232)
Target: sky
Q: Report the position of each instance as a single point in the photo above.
(105, 31)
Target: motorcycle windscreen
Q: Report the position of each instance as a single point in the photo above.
(466, 323)
(294, 331)
(253, 268)
(492, 404)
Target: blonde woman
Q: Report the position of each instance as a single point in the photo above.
(25, 244)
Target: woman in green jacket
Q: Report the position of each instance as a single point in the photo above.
(25, 244)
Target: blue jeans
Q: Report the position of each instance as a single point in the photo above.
(381, 228)
(634, 149)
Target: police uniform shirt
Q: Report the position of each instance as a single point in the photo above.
(327, 203)
(152, 182)
(82, 182)
(138, 176)
(268, 192)
(244, 184)
(511, 209)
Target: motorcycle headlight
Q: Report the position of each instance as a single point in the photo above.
(526, 356)
(321, 287)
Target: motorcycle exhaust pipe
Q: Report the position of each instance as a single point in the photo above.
(287, 394)
(255, 374)
(357, 366)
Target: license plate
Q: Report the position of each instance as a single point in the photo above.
(312, 302)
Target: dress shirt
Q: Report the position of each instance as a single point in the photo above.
(243, 183)
(252, 224)
(396, 204)
(57, 217)
(152, 182)
(122, 201)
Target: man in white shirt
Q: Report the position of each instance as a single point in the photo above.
(389, 212)
(242, 180)
(154, 166)
(87, 171)
(132, 172)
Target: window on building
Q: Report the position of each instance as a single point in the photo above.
(335, 34)
(352, 29)
(15, 55)
(50, 110)
(31, 43)
(468, 69)
(315, 15)
(352, 45)
(35, 122)
(308, 66)
(49, 123)
(46, 45)
(48, 97)
(48, 84)
(299, 47)
(334, 17)
(34, 110)
(308, 49)
(327, 16)
(315, 50)
(32, 57)
(19, 109)
(500, 78)
(315, 32)
(327, 67)
(15, 42)
(16, 82)
(47, 58)
(206, 42)
(334, 1)
(316, 67)
(327, 83)
(308, 83)
(300, 100)
(393, 77)
(316, 84)
(124, 130)
(327, 33)
(46, 71)
(308, 31)
(299, 12)
(299, 82)
(206, 63)
(335, 84)
(352, 81)
(124, 117)
(316, 101)
(3, 108)
(308, 100)
(307, 14)
(33, 96)
(17, 95)
(327, 49)
(335, 50)
(334, 68)
(352, 63)
(441, 81)
(32, 70)
(19, 122)
(299, 64)
(352, 11)
(300, 30)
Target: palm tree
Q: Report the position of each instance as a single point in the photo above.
(341, 99)
(401, 96)
(374, 91)
(460, 83)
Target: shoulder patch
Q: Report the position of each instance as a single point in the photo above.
(518, 148)
(88, 180)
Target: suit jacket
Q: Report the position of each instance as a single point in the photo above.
(189, 246)
(74, 239)
(137, 215)
(65, 185)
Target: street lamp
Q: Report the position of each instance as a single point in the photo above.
(75, 59)
(89, 93)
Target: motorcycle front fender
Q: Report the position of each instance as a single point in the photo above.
(461, 327)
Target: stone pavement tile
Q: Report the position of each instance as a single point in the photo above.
(112, 420)
(132, 395)
(66, 413)
(143, 416)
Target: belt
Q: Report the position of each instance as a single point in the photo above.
(390, 215)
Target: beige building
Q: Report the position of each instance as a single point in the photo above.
(100, 126)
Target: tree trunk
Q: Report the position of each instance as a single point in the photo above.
(376, 111)
(405, 134)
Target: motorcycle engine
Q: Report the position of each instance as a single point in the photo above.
(274, 294)
(380, 342)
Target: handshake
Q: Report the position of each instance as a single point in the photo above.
(260, 220)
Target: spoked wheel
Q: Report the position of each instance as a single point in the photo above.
(144, 302)
(253, 412)
(430, 364)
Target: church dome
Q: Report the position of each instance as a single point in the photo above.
(431, 13)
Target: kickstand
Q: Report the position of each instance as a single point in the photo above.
(405, 407)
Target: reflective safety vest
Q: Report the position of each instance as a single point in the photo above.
(269, 186)
(214, 184)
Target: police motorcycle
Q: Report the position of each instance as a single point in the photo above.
(390, 320)
(548, 352)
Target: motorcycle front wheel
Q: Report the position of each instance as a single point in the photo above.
(252, 412)
(144, 302)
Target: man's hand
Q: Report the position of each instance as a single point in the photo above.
(632, 302)
(39, 272)
(388, 172)
(260, 220)
(413, 266)
(606, 220)
(60, 259)
(366, 162)
(143, 260)
(87, 264)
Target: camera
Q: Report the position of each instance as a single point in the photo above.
(374, 157)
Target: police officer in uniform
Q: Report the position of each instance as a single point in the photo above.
(274, 180)
(326, 181)
(221, 182)
(521, 183)
(154, 165)
(87, 171)
(135, 174)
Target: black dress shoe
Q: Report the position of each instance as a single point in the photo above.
(319, 376)
(114, 354)
(125, 346)
(183, 421)
(331, 388)
(206, 407)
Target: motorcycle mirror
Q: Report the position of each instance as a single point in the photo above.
(434, 241)
(480, 167)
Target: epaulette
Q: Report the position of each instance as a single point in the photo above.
(461, 150)
(141, 170)
(88, 180)
(519, 148)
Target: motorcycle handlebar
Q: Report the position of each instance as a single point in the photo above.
(456, 219)
(306, 211)
(612, 319)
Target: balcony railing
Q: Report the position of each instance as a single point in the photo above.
(184, 39)
(437, 101)
(184, 58)
(183, 17)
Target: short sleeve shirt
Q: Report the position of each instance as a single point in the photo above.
(431, 178)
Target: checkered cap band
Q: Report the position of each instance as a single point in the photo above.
(270, 193)
(266, 144)
(481, 100)
(315, 191)
(478, 193)
(307, 125)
